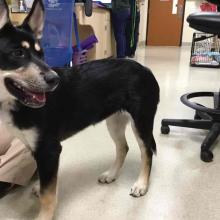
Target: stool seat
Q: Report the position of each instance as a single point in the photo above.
(208, 22)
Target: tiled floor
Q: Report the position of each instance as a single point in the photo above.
(181, 188)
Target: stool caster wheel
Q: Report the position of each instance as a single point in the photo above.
(206, 155)
(165, 129)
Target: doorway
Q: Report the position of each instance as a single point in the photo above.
(165, 22)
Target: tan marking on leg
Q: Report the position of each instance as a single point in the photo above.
(37, 47)
(48, 201)
(141, 185)
(25, 44)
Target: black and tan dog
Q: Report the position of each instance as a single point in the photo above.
(42, 106)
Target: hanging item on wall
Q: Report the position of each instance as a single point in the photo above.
(88, 7)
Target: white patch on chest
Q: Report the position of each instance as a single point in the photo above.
(30, 136)
(27, 136)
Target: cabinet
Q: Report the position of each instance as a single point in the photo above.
(100, 25)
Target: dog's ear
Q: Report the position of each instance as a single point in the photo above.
(4, 13)
(35, 20)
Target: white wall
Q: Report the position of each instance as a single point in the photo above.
(191, 6)
(143, 22)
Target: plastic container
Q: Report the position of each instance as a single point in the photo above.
(57, 34)
(205, 51)
(208, 7)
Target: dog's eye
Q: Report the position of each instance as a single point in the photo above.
(18, 53)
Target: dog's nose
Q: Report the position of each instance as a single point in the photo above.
(52, 79)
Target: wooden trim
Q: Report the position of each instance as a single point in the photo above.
(183, 17)
(148, 7)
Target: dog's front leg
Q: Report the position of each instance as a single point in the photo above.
(47, 158)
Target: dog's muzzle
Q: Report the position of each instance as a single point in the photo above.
(33, 95)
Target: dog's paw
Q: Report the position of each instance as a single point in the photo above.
(36, 190)
(107, 177)
(139, 189)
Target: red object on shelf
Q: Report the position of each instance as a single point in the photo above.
(208, 7)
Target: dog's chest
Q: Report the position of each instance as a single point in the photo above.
(27, 136)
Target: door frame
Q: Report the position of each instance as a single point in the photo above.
(183, 17)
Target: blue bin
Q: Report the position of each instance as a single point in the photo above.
(57, 34)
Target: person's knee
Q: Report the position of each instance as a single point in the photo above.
(5, 140)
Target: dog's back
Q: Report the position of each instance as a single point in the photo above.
(91, 92)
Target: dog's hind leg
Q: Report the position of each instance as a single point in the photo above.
(116, 125)
(143, 129)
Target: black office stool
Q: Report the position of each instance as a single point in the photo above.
(205, 118)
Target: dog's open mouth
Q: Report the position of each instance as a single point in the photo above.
(26, 96)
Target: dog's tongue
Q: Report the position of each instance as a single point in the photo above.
(39, 97)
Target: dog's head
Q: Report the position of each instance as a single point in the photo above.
(23, 73)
